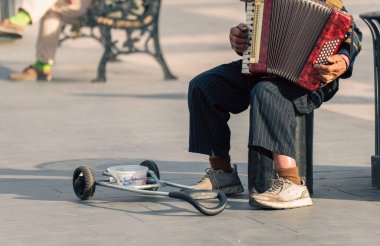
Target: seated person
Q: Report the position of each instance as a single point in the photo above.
(51, 14)
(274, 103)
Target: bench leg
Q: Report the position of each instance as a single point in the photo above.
(160, 58)
(107, 55)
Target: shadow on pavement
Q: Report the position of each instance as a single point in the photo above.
(4, 72)
(52, 181)
(170, 96)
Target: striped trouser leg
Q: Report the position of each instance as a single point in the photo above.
(211, 98)
(272, 119)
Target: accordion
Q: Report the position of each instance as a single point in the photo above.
(287, 37)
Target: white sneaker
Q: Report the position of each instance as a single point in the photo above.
(283, 194)
(229, 183)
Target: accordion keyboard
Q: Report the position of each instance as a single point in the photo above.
(254, 20)
(249, 23)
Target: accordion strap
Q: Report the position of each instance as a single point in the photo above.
(352, 42)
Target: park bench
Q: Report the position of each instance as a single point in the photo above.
(138, 19)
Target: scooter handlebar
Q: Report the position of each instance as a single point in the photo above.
(204, 210)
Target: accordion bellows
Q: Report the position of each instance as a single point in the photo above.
(289, 36)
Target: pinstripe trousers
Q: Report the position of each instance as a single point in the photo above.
(274, 103)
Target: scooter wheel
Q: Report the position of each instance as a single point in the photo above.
(84, 182)
(152, 166)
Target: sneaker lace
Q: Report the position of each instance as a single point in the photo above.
(210, 173)
(276, 184)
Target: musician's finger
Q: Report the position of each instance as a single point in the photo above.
(328, 72)
(239, 45)
(324, 68)
(337, 67)
(239, 34)
(243, 38)
(239, 48)
(327, 78)
(331, 76)
(335, 59)
(242, 27)
(238, 41)
(340, 64)
(234, 31)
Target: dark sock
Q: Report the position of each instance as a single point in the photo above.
(221, 163)
(290, 174)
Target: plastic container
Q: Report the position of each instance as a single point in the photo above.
(128, 175)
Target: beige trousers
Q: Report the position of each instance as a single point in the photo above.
(52, 14)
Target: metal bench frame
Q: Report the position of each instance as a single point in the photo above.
(141, 31)
(372, 19)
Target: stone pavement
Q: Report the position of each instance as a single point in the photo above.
(48, 129)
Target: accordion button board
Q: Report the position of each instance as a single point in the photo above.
(327, 51)
(287, 37)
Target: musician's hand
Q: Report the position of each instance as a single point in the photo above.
(239, 38)
(336, 67)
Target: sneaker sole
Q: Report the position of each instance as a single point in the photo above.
(19, 77)
(229, 190)
(11, 32)
(303, 202)
(10, 37)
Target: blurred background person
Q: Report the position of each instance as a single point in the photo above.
(51, 14)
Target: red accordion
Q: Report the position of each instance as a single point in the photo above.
(289, 36)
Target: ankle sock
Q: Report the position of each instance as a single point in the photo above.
(290, 174)
(221, 163)
(42, 67)
(22, 18)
